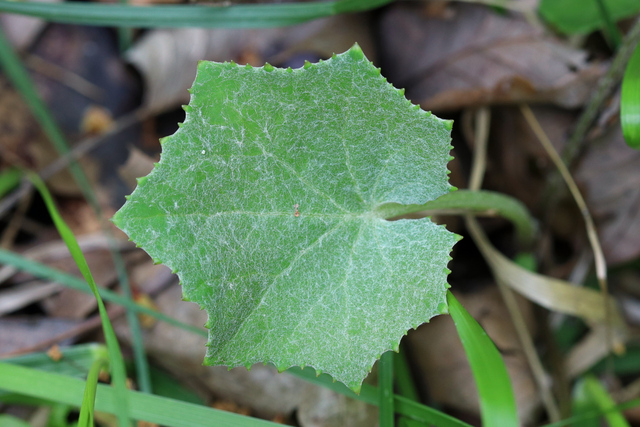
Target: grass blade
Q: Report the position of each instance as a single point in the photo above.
(160, 410)
(86, 409)
(115, 355)
(385, 389)
(236, 16)
(20, 79)
(497, 402)
(590, 394)
(370, 395)
(403, 377)
(42, 271)
(630, 101)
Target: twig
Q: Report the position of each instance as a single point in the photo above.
(601, 264)
(15, 223)
(481, 138)
(528, 347)
(606, 85)
(76, 153)
(64, 76)
(598, 255)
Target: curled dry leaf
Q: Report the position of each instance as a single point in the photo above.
(553, 294)
(473, 56)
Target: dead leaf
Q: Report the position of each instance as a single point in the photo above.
(22, 30)
(475, 56)
(167, 59)
(609, 175)
(321, 407)
(27, 332)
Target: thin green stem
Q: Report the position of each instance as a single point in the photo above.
(403, 377)
(115, 355)
(611, 30)
(606, 85)
(86, 409)
(48, 273)
(371, 395)
(472, 202)
(20, 78)
(385, 389)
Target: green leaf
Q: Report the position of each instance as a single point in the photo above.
(264, 203)
(497, 401)
(584, 16)
(630, 101)
(588, 395)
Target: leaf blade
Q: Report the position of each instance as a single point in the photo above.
(272, 184)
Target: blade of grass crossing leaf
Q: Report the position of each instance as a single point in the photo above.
(370, 394)
(20, 79)
(236, 16)
(630, 101)
(497, 402)
(583, 405)
(595, 396)
(403, 378)
(75, 361)
(48, 273)
(86, 409)
(115, 356)
(385, 390)
(575, 420)
(160, 410)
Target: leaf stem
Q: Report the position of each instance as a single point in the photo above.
(472, 202)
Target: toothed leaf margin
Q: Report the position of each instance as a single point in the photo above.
(264, 203)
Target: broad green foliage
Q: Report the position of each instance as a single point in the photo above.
(265, 201)
(584, 16)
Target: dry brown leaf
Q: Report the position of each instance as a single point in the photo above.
(553, 294)
(440, 358)
(167, 59)
(609, 174)
(321, 407)
(475, 56)
(138, 164)
(22, 295)
(22, 30)
(27, 332)
(72, 304)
